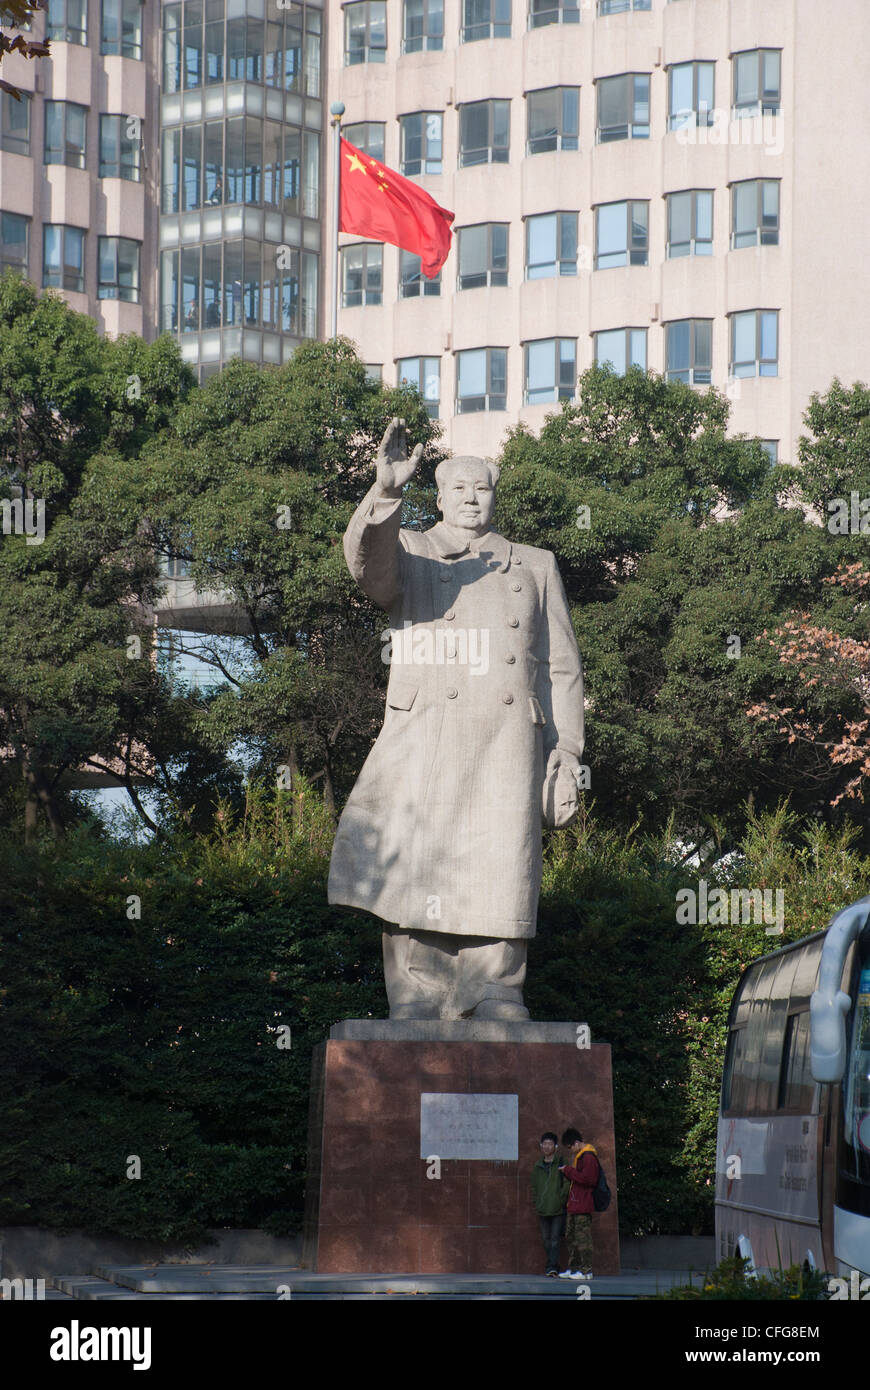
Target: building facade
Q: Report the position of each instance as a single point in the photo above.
(669, 183)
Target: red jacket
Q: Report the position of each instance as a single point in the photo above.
(583, 1180)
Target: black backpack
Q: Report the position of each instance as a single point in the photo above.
(601, 1192)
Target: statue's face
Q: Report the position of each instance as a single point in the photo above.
(467, 497)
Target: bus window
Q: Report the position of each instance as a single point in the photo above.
(797, 1090)
(857, 1110)
(733, 1087)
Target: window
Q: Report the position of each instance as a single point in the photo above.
(425, 374)
(543, 12)
(424, 25)
(688, 351)
(14, 241)
(621, 234)
(67, 21)
(65, 128)
(481, 380)
(483, 255)
(63, 257)
(623, 107)
(484, 133)
(119, 153)
(690, 101)
(15, 123)
(121, 28)
(485, 19)
(553, 116)
(374, 371)
(412, 281)
(365, 32)
(690, 223)
(757, 82)
(771, 448)
(551, 370)
(551, 245)
(620, 6)
(239, 282)
(797, 1091)
(755, 213)
(241, 160)
(367, 137)
(421, 143)
(118, 265)
(362, 274)
(621, 348)
(754, 337)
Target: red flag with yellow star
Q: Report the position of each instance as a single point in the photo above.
(379, 203)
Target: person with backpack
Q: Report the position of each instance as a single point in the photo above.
(583, 1172)
(549, 1193)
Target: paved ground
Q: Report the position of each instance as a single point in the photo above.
(118, 1282)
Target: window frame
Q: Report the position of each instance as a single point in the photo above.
(135, 162)
(560, 261)
(693, 115)
(761, 235)
(622, 6)
(735, 368)
(125, 10)
(372, 52)
(493, 151)
(559, 392)
(365, 149)
(433, 403)
(488, 281)
(72, 33)
(698, 375)
(628, 349)
(561, 137)
(413, 285)
(489, 400)
(5, 259)
(431, 40)
(73, 156)
(15, 144)
(758, 105)
(134, 295)
(372, 252)
(694, 240)
(62, 276)
(427, 164)
(495, 27)
(553, 12)
(632, 252)
(634, 129)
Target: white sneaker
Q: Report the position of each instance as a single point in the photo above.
(568, 1274)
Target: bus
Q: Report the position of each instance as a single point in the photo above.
(793, 1138)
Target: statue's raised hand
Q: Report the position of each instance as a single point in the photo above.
(394, 466)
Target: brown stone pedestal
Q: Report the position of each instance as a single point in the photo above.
(370, 1206)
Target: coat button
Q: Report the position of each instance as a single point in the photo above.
(445, 578)
(510, 658)
(516, 588)
(508, 699)
(449, 614)
(513, 622)
(452, 692)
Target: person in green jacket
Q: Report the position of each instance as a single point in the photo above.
(550, 1193)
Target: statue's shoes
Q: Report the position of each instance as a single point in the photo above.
(415, 1011)
(500, 1009)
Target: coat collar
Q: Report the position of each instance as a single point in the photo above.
(492, 544)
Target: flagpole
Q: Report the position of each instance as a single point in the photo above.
(336, 111)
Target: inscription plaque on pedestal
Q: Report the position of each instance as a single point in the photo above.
(467, 1125)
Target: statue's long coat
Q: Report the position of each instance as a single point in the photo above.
(442, 831)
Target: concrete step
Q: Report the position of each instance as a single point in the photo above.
(117, 1282)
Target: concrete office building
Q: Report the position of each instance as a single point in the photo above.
(674, 183)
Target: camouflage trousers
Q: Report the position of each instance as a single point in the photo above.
(579, 1237)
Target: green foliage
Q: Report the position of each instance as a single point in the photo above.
(731, 1281)
(150, 1035)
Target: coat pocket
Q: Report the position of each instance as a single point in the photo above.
(538, 716)
(401, 694)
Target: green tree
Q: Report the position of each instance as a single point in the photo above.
(75, 592)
